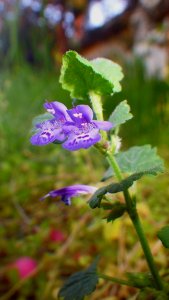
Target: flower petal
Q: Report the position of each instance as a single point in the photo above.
(82, 140)
(71, 191)
(49, 132)
(66, 199)
(70, 127)
(103, 125)
(81, 114)
(84, 189)
(57, 109)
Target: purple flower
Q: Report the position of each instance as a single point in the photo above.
(51, 130)
(68, 192)
(83, 132)
(75, 127)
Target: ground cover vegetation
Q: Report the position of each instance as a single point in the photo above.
(49, 233)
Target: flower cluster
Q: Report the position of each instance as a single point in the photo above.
(74, 128)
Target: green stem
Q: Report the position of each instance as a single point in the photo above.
(98, 109)
(97, 105)
(114, 165)
(114, 279)
(147, 252)
(132, 211)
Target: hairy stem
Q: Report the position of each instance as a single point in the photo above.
(132, 211)
(114, 279)
(97, 105)
(98, 109)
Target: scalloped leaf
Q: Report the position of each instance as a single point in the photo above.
(80, 284)
(137, 159)
(110, 71)
(121, 114)
(80, 76)
(163, 235)
(121, 186)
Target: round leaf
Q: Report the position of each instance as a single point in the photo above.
(80, 76)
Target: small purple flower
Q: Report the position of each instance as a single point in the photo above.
(51, 130)
(83, 132)
(68, 192)
(75, 127)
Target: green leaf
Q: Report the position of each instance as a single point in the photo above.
(80, 284)
(118, 209)
(96, 199)
(121, 186)
(110, 71)
(137, 159)
(163, 235)
(80, 76)
(121, 114)
(106, 205)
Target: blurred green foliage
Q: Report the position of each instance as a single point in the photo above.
(149, 101)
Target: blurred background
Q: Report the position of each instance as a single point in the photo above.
(41, 244)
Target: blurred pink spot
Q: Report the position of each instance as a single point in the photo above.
(25, 266)
(56, 236)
